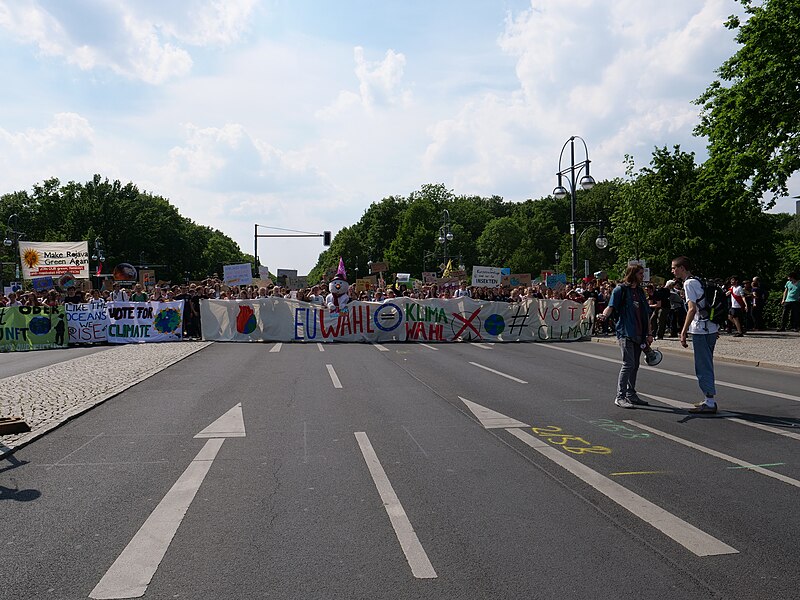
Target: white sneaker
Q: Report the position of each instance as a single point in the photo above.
(624, 403)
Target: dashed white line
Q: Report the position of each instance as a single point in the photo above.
(276, 347)
(479, 345)
(429, 347)
(421, 566)
(381, 348)
(511, 377)
(321, 349)
(334, 378)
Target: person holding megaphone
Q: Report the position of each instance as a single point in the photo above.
(634, 334)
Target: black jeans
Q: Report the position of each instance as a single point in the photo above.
(791, 310)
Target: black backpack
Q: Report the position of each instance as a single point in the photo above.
(715, 303)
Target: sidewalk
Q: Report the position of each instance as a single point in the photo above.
(768, 349)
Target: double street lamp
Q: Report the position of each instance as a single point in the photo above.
(586, 182)
(445, 235)
(16, 235)
(99, 256)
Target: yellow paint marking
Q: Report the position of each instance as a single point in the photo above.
(639, 473)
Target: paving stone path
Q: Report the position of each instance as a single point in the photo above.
(49, 396)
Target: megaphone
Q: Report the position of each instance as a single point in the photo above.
(651, 357)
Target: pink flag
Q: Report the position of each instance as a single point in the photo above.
(341, 272)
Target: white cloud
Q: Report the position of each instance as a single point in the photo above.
(68, 132)
(138, 40)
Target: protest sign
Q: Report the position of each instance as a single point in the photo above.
(362, 285)
(489, 277)
(263, 272)
(429, 276)
(40, 259)
(516, 280)
(241, 274)
(404, 277)
(556, 279)
(378, 267)
(41, 284)
(87, 323)
(401, 319)
(131, 322)
(32, 328)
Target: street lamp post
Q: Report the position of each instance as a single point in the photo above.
(9, 242)
(99, 256)
(560, 192)
(445, 235)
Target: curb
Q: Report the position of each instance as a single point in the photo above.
(98, 400)
(717, 357)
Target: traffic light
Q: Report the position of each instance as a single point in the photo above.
(326, 238)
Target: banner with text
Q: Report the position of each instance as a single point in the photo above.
(133, 322)
(40, 259)
(401, 319)
(32, 328)
(87, 323)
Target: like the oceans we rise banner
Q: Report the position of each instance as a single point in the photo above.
(137, 322)
(32, 328)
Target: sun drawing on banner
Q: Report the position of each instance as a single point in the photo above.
(31, 257)
(167, 320)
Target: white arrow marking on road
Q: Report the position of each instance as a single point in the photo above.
(134, 568)
(231, 424)
(491, 419)
(687, 535)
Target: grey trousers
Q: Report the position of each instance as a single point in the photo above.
(631, 354)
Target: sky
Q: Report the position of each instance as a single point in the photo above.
(299, 114)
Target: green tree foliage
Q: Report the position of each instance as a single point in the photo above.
(752, 116)
(131, 225)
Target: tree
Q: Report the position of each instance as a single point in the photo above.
(752, 121)
(500, 239)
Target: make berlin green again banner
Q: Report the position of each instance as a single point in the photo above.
(32, 328)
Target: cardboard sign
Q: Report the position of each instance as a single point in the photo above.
(241, 274)
(489, 277)
(429, 276)
(379, 267)
(555, 280)
(362, 285)
(516, 280)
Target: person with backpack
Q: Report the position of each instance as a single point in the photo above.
(634, 331)
(703, 307)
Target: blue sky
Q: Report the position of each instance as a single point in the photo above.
(299, 114)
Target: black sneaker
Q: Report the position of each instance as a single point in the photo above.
(638, 401)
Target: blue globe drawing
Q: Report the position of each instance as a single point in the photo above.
(39, 325)
(167, 320)
(494, 325)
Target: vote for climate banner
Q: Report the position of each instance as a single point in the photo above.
(401, 319)
(32, 328)
(133, 322)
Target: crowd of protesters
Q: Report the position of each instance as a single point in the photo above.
(748, 299)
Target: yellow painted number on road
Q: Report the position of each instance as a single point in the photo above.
(570, 443)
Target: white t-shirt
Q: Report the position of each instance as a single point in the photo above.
(737, 291)
(694, 290)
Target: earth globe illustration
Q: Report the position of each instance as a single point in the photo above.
(124, 272)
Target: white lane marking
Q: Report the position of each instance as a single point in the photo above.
(498, 373)
(745, 388)
(321, 349)
(276, 347)
(479, 345)
(491, 419)
(381, 348)
(417, 559)
(729, 416)
(429, 347)
(690, 537)
(334, 377)
(131, 573)
(578, 400)
(231, 424)
(727, 457)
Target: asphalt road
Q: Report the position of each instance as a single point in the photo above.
(391, 486)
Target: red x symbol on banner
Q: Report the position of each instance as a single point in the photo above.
(467, 323)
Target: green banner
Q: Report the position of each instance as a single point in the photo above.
(32, 328)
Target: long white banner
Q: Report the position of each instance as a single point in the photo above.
(401, 319)
(40, 259)
(132, 322)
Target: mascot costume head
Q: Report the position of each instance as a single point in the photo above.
(339, 297)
